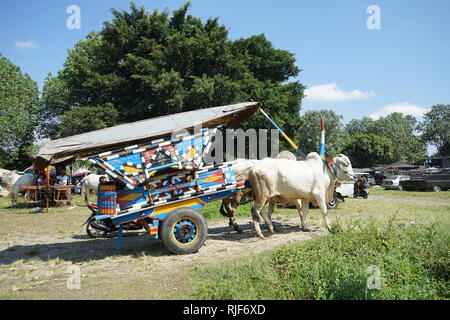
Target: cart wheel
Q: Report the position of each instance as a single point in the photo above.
(93, 232)
(334, 203)
(184, 231)
(436, 188)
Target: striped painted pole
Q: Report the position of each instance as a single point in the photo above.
(322, 140)
(279, 130)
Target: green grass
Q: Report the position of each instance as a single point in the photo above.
(211, 210)
(411, 252)
(424, 195)
(413, 261)
(409, 242)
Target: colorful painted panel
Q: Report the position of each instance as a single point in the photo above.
(160, 156)
(128, 198)
(136, 164)
(172, 186)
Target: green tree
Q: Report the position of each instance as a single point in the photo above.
(401, 129)
(145, 64)
(87, 118)
(358, 126)
(367, 150)
(436, 128)
(18, 104)
(310, 128)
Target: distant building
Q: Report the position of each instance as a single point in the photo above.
(437, 162)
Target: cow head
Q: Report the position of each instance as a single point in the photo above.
(343, 168)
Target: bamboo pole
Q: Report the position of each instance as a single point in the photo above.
(285, 136)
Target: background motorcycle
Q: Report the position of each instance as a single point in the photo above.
(361, 192)
(99, 229)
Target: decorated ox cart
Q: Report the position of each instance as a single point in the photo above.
(159, 173)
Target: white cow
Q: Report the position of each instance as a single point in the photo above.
(11, 182)
(311, 180)
(90, 185)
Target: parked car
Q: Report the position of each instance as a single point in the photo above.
(393, 182)
(345, 190)
(431, 170)
(437, 181)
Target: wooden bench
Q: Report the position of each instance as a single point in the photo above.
(33, 194)
(57, 194)
(62, 193)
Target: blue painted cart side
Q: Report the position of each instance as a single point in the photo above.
(164, 175)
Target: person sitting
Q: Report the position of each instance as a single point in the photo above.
(62, 179)
(41, 181)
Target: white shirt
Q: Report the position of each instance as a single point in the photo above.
(62, 180)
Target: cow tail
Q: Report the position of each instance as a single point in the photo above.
(222, 210)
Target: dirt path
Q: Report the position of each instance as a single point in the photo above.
(36, 267)
(409, 200)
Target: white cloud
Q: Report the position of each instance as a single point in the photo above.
(331, 92)
(403, 107)
(25, 44)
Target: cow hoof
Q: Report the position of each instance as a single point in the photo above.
(261, 236)
(306, 230)
(239, 231)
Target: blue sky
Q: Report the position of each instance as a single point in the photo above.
(403, 66)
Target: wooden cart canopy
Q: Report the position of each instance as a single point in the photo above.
(141, 131)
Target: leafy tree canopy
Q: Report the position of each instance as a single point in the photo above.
(356, 126)
(142, 65)
(436, 128)
(309, 132)
(84, 118)
(367, 150)
(18, 100)
(400, 129)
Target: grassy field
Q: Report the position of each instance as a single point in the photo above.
(408, 242)
(428, 195)
(411, 262)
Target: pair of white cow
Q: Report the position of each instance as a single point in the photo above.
(300, 182)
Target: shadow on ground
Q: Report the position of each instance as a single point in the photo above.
(134, 243)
